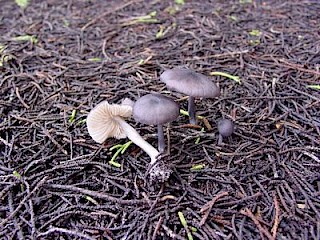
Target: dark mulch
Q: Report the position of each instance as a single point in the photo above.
(263, 182)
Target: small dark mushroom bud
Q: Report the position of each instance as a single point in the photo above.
(225, 128)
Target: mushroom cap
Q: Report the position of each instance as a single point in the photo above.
(154, 109)
(128, 102)
(102, 121)
(225, 127)
(190, 83)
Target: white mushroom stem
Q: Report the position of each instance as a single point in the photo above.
(135, 137)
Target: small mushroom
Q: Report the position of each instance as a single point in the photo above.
(127, 102)
(106, 120)
(225, 128)
(192, 84)
(156, 109)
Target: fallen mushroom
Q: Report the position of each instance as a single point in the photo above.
(106, 120)
(225, 129)
(156, 109)
(192, 84)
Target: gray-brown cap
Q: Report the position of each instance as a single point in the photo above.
(190, 83)
(225, 127)
(154, 109)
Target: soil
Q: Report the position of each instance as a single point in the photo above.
(61, 58)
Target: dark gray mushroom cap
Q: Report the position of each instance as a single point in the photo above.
(153, 109)
(225, 127)
(190, 83)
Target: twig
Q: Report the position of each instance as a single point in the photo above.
(5, 142)
(156, 230)
(63, 230)
(208, 207)
(219, 55)
(171, 234)
(96, 194)
(31, 212)
(262, 230)
(113, 10)
(23, 201)
(20, 235)
(297, 66)
(21, 100)
(276, 217)
(46, 132)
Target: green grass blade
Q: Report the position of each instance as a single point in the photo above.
(72, 116)
(115, 164)
(227, 75)
(198, 167)
(22, 3)
(115, 147)
(182, 219)
(185, 113)
(25, 38)
(316, 87)
(125, 146)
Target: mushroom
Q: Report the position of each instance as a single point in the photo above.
(192, 84)
(225, 128)
(127, 102)
(156, 109)
(106, 120)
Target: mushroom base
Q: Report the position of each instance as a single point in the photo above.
(160, 171)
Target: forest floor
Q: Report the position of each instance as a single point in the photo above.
(61, 58)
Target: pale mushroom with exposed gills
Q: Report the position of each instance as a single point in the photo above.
(106, 120)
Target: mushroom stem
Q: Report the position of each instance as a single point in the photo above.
(192, 110)
(135, 137)
(161, 143)
(220, 139)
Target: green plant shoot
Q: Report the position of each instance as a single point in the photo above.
(160, 33)
(179, 2)
(121, 148)
(198, 138)
(16, 174)
(223, 74)
(25, 38)
(197, 167)
(185, 225)
(22, 3)
(3, 57)
(90, 199)
(255, 32)
(96, 59)
(150, 18)
(73, 116)
(185, 113)
(316, 87)
(81, 122)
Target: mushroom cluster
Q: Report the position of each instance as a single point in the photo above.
(107, 120)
